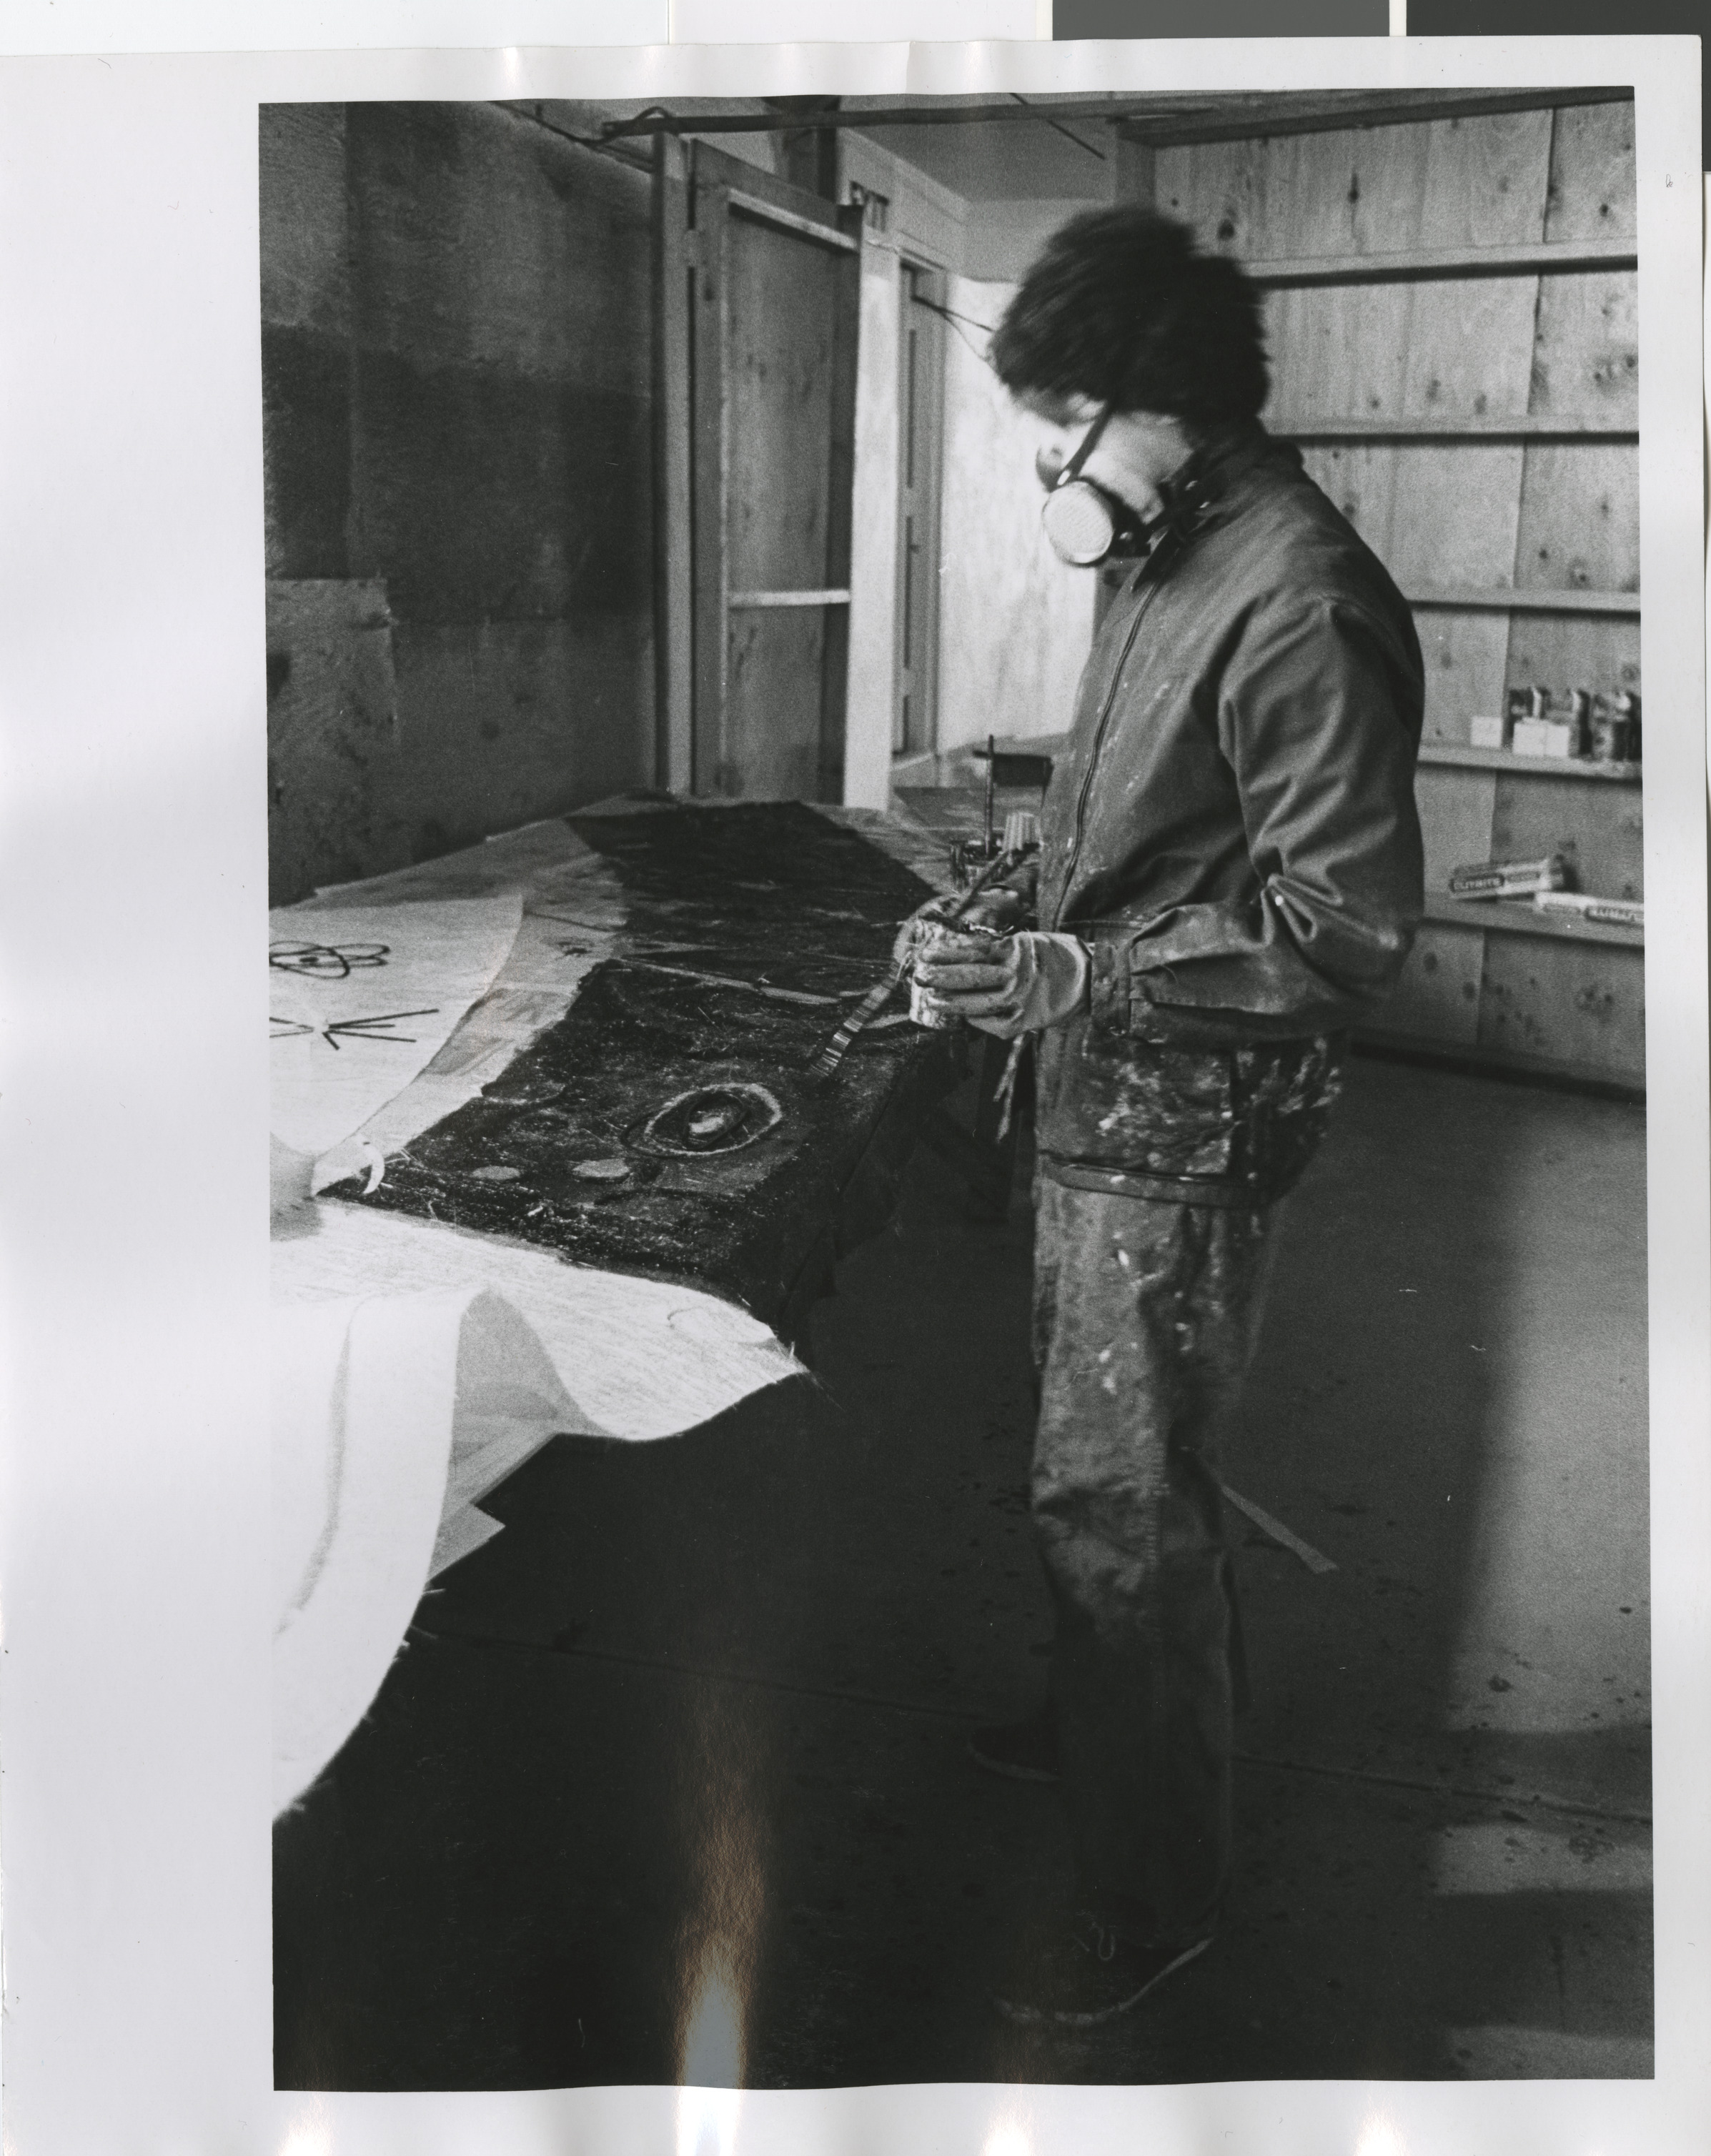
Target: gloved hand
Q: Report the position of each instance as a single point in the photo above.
(1016, 984)
(999, 909)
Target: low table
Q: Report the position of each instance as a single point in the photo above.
(728, 941)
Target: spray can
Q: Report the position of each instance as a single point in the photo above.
(933, 937)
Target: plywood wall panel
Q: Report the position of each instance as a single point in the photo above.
(1594, 824)
(1444, 350)
(305, 279)
(1476, 183)
(1486, 181)
(332, 720)
(1437, 513)
(780, 297)
(306, 324)
(1215, 187)
(484, 496)
(1573, 651)
(1331, 193)
(1592, 174)
(1465, 348)
(1344, 194)
(1473, 512)
(1453, 512)
(1338, 350)
(1582, 1004)
(456, 405)
(1455, 819)
(481, 240)
(771, 749)
(1436, 997)
(1579, 526)
(1465, 656)
(1586, 349)
(305, 418)
(502, 722)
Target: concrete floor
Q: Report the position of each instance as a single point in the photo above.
(672, 1780)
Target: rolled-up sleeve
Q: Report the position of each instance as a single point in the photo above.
(1318, 719)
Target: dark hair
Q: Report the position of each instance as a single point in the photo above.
(1122, 308)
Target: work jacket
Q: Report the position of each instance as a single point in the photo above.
(1232, 831)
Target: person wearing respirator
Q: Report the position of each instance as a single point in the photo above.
(1230, 876)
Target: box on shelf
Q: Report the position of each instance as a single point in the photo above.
(1544, 738)
(1613, 913)
(1508, 878)
(1615, 732)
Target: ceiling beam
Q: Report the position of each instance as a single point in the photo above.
(1149, 120)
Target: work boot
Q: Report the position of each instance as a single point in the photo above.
(1078, 1967)
(1025, 1750)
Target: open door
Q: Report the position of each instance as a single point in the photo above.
(758, 304)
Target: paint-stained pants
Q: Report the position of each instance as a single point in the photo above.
(1145, 1316)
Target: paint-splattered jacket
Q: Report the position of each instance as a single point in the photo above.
(1232, 830)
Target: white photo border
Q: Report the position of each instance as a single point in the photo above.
(134, 1502)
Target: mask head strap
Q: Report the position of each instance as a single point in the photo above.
(1052, 475)
(1086, 447)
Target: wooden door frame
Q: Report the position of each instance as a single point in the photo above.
(697, 190)
(673, 492)
(911, 265)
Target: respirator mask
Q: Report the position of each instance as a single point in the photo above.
(1084, 523)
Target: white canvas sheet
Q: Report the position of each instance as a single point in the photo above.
(390, 1417)
(571, 911)
(360, 999)
(642, 1359)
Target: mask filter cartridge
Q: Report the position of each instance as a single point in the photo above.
(1079, 523)
(1082, 521)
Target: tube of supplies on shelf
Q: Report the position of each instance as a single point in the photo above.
(1509, 879)
(1612, 912)
(1615, 731)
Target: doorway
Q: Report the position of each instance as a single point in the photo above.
(758, 293)
(920, 464)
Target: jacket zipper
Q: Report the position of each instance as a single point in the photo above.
(1128, 646)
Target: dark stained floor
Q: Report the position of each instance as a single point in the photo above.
(670, 1781)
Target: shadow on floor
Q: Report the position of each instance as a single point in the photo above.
(674, 1770)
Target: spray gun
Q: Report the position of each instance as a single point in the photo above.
(997, 858)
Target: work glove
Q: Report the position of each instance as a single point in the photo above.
(999, 910)
(1008, 986)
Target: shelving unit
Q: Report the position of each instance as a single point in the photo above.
(1509, 599)
(1451, 319)
(1416, 265)
(1516, 916)
(1452, 754)
(1443, 426)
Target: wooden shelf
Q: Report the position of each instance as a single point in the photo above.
(1051, 745)
(1529, 766)
(1517, 917)
(1476, 427)
(810, 227)
(1424, 265)
(1502, 598)
(794, 598)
